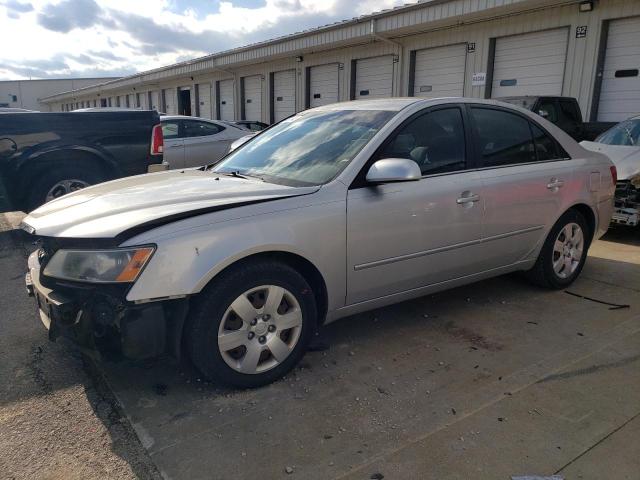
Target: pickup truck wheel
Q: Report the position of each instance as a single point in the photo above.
(251, 325)
(60, 182)
(563, 254)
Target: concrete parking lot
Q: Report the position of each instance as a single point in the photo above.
(494, 380)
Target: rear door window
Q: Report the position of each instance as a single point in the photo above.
(502, 138)
(170, 129)
(546, 147)
(200, 129)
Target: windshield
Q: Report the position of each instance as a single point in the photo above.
(624, 133)
(310, 148)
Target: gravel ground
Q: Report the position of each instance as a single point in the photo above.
(57, 418)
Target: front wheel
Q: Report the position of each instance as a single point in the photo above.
(252, 325)
(564, 252)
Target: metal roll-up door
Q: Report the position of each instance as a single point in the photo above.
(620, 89)
(155, 101)
(530, 64)
(170, 98)
(284, 94)
(204, 100)
(252, 97)
(227, 109)
(440, 71)
(374, 77)
(324, 84)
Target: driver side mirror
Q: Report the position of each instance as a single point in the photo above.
(543, 113)
(393, 170)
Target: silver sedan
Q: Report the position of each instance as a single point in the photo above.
(331, 212)
(193, 141)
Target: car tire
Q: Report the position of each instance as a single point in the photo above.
(562, 256)
(60, 176)
(221, 318)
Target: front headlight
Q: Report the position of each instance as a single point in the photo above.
(99, 266)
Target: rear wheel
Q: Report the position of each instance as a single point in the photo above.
(60, 181)
(564, 252)
(251, 325)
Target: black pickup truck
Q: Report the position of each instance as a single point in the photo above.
(563, 112)
(46, 155)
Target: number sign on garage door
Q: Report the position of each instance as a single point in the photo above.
(204, 100)
(226, 109)
(373, 77)
(284, 95)
(440, 72)
(323, 84)
(620, 89)
(252, 98)
(530, 64)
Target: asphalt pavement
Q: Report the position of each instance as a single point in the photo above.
(58, 419)
(494, 380)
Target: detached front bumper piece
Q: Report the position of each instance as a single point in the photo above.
(100, 320)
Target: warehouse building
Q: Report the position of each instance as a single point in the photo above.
(589, 50)
(27, 93)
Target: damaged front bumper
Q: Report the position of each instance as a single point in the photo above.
(100, 320)
(627, 204)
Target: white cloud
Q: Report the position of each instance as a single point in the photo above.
(43, 38)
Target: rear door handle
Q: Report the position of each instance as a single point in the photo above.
(467, 197)
(555, 184)
(176, 145)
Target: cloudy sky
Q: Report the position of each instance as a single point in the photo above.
(86, 38)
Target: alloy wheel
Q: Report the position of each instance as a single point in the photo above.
(63, 187)
(567, 250)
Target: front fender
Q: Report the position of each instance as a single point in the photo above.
(189, 258)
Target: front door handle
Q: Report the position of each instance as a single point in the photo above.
(467, 197)
(554, 184)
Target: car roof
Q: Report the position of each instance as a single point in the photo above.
(186, 117)
(399, 103)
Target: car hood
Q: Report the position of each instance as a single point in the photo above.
(625, 158)
(109, 209)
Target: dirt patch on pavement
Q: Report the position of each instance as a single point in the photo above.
(474, 339)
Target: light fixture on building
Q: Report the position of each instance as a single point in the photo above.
(586, 6)
(299, 58)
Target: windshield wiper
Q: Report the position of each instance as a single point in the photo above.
(235, 174)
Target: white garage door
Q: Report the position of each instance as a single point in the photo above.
(620, 90)
(440, 72)
(284, 94)
(253, 98)
(324, 85)
(155, 101)
(530, 64)
(374, 77)
(170, 107)
(227, 110)
(204, 100)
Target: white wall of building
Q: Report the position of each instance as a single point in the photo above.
(25, 93)
(576, 73)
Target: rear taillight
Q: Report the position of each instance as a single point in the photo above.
(614, 174)
(157, 140)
